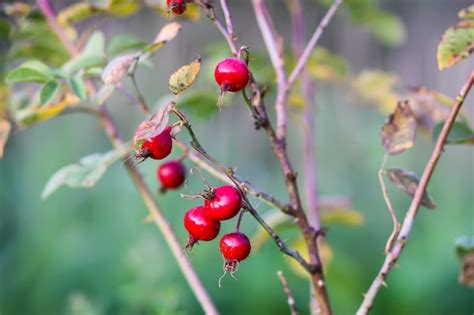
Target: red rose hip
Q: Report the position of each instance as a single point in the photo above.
(199, 226)
(225, 204)
(231, 74)
(171, 174)
(176, 6)
(235, 246)
(159, 146)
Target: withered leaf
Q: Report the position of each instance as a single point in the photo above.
(184, 77)
(466, 276)
(152, 126)
(408, 182)
(117, 68)
(398, 132)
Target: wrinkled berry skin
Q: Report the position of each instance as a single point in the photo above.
(231, 74)
(235, 246)
(171, 174)
(225, 204)
(158, 147)
(199, 226)
(176, 6)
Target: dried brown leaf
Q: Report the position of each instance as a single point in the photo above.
(153, 125)
(398, 133)
(408, 182)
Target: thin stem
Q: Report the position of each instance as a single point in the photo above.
(239, 220)
(307, 87)
(243, 183)
(274, 44)
(211, 14)
(48, 11)
(141, 99)
(289, 294)
(160, 220)
(312, 42)
(396, 223)
(407, 224)
(228, 18)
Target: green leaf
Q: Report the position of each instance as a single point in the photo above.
(93, 55)
(460, 133)
(31, 71)
(86, 173)
(184, 77)
(199, 103)
(457, 43)
(123, 43)
(408, 182)
(387, 28)
(5, 128)
(78, 87)
(464, 245)
(398, 132)
(48, 91)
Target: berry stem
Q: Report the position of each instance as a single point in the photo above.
(239, 220)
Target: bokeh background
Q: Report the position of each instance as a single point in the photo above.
(90, 252)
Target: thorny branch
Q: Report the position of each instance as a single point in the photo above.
(407, 224)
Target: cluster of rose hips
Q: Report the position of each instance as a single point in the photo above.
(221, 203)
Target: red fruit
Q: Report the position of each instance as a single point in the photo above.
(232, 74)
(225, 204)
(171, 174)
(176, 6)
(200, 226)
(235, 246)
(158, 147)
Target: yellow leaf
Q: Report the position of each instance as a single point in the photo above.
(342, 216)
(377, 89)
(31, 115)
(398, 132)
(75, 12)
(184, 77)
(167, 33)
(123, 7)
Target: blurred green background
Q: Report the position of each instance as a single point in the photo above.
(89, 251)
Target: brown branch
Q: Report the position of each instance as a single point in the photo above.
(407, 224)
(158, 217)
(289, 294)
(279, 149)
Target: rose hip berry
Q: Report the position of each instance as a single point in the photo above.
(171, 174)
(225, 204)
(158, 147)
(231, 74)
(176, 6)
(199, 226)
(235, 246)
